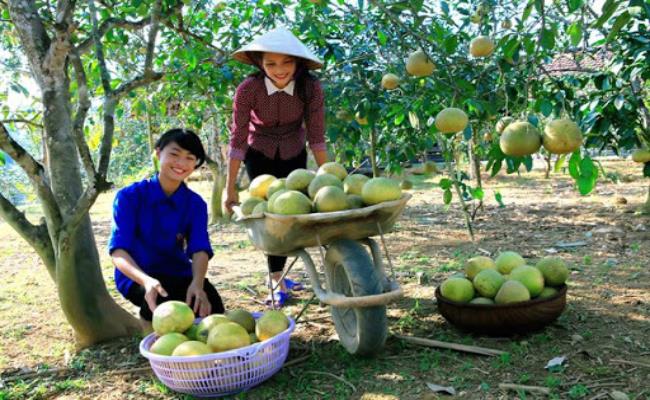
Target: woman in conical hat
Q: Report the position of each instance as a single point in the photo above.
(276, 112)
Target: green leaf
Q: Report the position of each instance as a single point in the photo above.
(382, 37)
(574, 163)
(499, 198)
(574, 5)
(477, 193)
(546, 107)
(445, 183)
(587, 168)
(585, 185)
(559, 162)
(619, 102)
(496, 167)
(2, 158)
(609, 8)
(619, 23)
(447, 196)
(548, 39)
(414, 120)
(646, 170)
(527, 10)
(528, 162)
(575, 32)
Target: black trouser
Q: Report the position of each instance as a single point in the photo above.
(258, 164)
(176, 288)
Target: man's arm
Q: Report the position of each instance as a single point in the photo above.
(195, 291)
(123, 261)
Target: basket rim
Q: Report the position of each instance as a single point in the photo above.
(148, 340)
(562, 290)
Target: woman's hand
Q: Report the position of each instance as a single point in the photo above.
(196, 296)
(153, 288)
(231, 200)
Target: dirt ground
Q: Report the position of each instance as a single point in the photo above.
(603, 333)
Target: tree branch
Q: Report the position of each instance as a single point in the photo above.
(109, 24)
(153, 33)
(80, 116)
(99, 49)
(21, 121)
(33, 36)
(60, 47)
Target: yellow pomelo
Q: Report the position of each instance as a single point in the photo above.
(278, 184)
(481, 300)
(228, 336)
(562, 136)
(460, 290)
(353, 184)
(512, 292)
(378, 190)
(249, 204)
(243, 318)
(548, 292)
(322, 180)
(507, 261)
(641, 155)
(503, 123)
(554, 270)
(530, 277)
(477, 264)
(354, 201)
(330, 198)
(260, 185)
(333, 168)
(389, 81)
(269, 204)
(207, 324)
(520, 139)
(270, 324)
(166, 344)
(418, 64)
(451, 120)
(488, 282)
(481, 46)
(292, 202)
(191, 348)
(361, 120)
(172, 316)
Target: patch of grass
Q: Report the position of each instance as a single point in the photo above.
(70, 384)
(552, 381)
(578, 391)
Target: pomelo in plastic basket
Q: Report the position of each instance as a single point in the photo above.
(207, 324)
(554, 270)
(531, 277)
(191, 348)
(192, 332)
(333, 168)
(166, 344)
(292, 202)
(512, 292)
(488, 282)
(260, 185)
(353, 184)
(354, 201)
(228, 336)
(457, 289)
(243, 318)
(299, 179)
(172, 316)
(322, 180)
(270, 324)
(477, 264)
(378, 190)
(548, 292)
(277, 184)
(507, 261)
(330, 198)
(253, 337)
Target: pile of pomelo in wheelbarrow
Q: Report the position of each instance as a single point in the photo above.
(504, 296)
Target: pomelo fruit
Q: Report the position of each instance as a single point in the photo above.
(330, 198)
(430, 167)
(488, 282)
(554, 270)
(292, 202)
(477, 264)
(228, 336)
(562, 136)
(531, 277)
(172, 316)
(353, 184)
(192, 332)
(481, 46)
(451, 120)
(249, 204)
(406, 184)
(299, 179)
(506, 261)
(207, 324)
(259, 186)
(512, 292)
(354, 201)
(260, 208)
(481, 300)
(270, 324)
(503, 123)
(333, 168)
(243, 318)
(548, 292)
(506, 24)
(419, 64)
(378, 190)
(520, 139)
(271, 201)
(278, 184)
(460, 290)
(641, 155)
(322, 180)
(389, 81)
(475, 19)
(166, 344)
(361, 120)
(253, 337)
(191, 348)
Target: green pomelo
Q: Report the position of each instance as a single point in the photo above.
(406, 184)
(192, 332)
(477, 264)
(431, 167)
(243, 318)
(249, 204)
(641, 155)
(191, 348)
(353, 184)
(512, 292)
(520, 139)
(278, 184)
(228, 336)
(562, 136)
(172, 316)
(330, 198)
(207, 324)
(531, 277)
(503, 124)
(378, 190)
(507, 261)
(554, 270)
(166, 344)
(260, 185)
(292, 202)
(333, 168)
(260, 208)
(253, 337)
(548, 292)
(322, 180)
(488, 282)
(451, 120)
(270, 324)
(460, 290)
(481, 300)
(354, 201)
(299, 179)
(271, 201)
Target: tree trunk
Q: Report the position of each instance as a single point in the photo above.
(218, 184)
(373, 153)
(645, 209)
(547, 174)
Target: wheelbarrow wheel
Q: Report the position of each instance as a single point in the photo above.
(349, 270)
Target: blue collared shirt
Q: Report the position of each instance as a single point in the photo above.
(160, 232)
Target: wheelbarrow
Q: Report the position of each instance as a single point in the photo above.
(357, 288)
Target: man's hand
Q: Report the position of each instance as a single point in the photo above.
(196, 294)
(231, 200)
(153, 288)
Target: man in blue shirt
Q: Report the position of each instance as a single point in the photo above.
(159, 240)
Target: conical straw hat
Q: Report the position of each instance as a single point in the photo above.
(279, 40)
